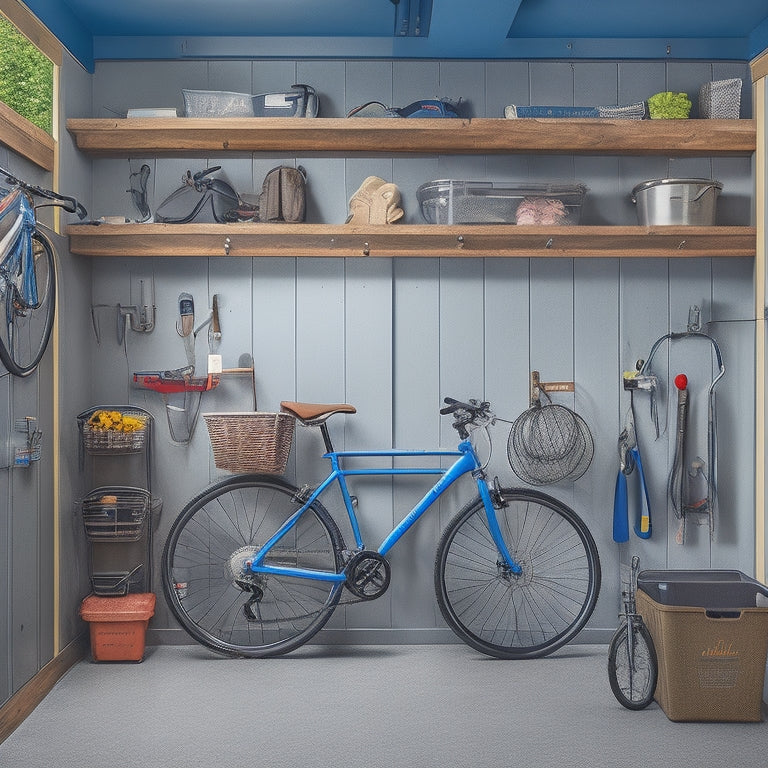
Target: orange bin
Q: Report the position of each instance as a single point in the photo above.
(118, 625)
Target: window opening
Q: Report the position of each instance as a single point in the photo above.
(26, 77)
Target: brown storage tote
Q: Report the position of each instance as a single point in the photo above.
(118, 625)
(711, 642)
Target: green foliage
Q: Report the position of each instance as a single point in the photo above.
(26, 77)
(669, 105)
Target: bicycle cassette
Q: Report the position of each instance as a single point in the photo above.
(368, 575)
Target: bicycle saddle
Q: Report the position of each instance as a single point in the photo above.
(315, 413)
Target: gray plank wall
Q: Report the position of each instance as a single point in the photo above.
(395, 336)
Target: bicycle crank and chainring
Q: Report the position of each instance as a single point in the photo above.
(368, 575)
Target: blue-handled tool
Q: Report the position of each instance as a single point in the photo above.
(643, 527)
(620, 509)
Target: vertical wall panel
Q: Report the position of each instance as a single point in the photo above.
(734, 329)
(417, 396)
(506, 82)
(596, 399)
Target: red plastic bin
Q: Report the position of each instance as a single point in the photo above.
(118, 625)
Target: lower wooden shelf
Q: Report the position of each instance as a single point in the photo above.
(406, 240)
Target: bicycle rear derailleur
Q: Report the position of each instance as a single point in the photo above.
(368, 574)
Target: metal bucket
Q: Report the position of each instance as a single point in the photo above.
(677, 201)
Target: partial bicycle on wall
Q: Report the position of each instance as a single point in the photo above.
(27, 273)
(254, 566)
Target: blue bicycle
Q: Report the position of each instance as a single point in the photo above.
(254, 566)
(27, 273)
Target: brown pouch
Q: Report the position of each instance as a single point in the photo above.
(284, 195)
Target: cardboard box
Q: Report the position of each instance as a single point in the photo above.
(118, 625)
(710, 629)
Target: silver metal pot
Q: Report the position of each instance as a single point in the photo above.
(677, 201)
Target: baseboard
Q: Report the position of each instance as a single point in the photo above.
(374, 636)
(24, 701)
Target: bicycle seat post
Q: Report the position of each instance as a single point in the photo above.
(326, 437)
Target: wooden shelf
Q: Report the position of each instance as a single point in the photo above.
(677, 138)
(323, 240)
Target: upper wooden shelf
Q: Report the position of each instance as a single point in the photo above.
(676, 138)
(409, 240)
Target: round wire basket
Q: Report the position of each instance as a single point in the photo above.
(98, 440)
(549, 443)
(251, 441)
(115, 513)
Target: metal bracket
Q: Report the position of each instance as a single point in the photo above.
(538, 386)
(32, 449)
(694, 318)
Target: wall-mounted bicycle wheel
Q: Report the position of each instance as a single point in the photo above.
(526, 615)
(215, 596)
(26, 325)
(632, 672)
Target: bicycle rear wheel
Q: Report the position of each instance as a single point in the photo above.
(633, 682)
(223, 605)
(26, 330)
(525, 616)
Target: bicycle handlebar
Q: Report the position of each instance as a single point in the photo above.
(69, 204)
(466, 413)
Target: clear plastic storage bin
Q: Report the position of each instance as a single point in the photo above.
(448, 201)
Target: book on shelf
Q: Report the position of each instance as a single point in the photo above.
(152, 112)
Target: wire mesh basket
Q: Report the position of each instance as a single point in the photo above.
(720, 99)
(549, 443)
(115, 583)
(106, 430)
(251, 441)
(115, 513)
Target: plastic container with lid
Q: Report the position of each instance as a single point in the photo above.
(118, 625)
(450, 201)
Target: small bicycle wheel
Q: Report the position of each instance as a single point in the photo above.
(218, 600)
(25, 326)
(633, 684)
(531, 614)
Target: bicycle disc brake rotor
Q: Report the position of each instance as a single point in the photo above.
(368, 575)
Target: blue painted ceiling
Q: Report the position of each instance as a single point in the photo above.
(488, 29)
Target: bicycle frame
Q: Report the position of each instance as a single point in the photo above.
(466, 461)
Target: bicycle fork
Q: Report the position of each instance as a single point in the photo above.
(492, 501)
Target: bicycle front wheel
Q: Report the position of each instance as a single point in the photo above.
(213, 594)
(517, 616)
(632, 670)
(26, 325)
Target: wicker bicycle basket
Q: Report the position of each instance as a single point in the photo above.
(250, 441)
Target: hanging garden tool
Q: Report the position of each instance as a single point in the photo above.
(180, 388)
(692, 487)
(629, 460)
(185, 326)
